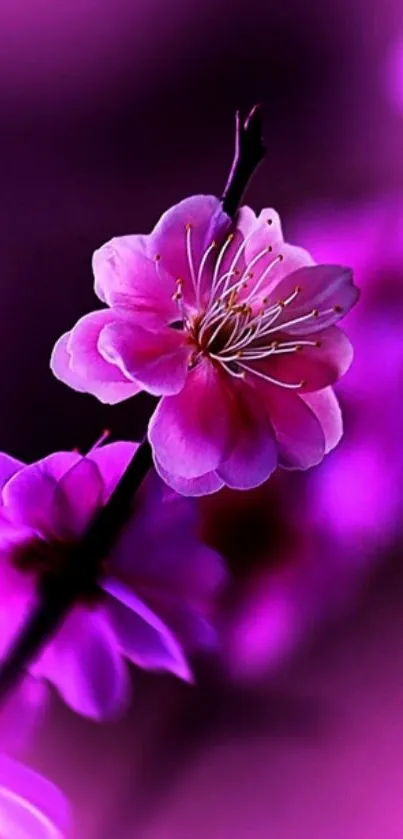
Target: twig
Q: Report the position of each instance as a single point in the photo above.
(57, 594)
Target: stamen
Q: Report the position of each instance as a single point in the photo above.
(271, 380)
(264, 274)
(201, 269)
(188, 228)
(216, 332)
(104, 436)
(220, 258)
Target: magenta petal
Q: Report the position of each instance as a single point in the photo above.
(77, 362)
(8, 467)
(112, 460)
(78, 496)
(313, 367)
(208, 223)
(298, 432)
(28, 498)
(85, 665)
(325, 406)
(329, 289)
(203, 485)
(156, 359)
(22, 711)
(127, 277)
(30, 806)
(254, 453)
(190, 432)
(143, 637)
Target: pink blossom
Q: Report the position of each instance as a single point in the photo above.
(234, 328)
(30, 806)
(153, 595)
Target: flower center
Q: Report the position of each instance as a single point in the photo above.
(234, 326)
(50, 559)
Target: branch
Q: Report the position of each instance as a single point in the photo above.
(57, 594)
(249, 152)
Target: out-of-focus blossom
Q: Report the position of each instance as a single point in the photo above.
(234, 328)
(159, 569)
(301, 545)
(22, 711)
(30, 806)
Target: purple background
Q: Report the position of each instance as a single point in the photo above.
(110, 112)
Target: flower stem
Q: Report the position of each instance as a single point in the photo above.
(57, 594)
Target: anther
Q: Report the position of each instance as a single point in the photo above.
(269, 221)
(318, 344)
(281, 303)
(230, 237)
(337, 309)
(297, 289)
(280, 257)
(315, 313)
(157, 257)
(269, 248)
(188, 227)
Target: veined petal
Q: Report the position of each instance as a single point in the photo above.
(183, 235)
(253, 455)
(95, 376)
(128, 277)
(191, 432)
(156, 359)
(326, 290)
(325, 406)
(313, 367)
(299, 434)
(203, 485)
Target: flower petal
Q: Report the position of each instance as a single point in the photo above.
(190, 432)
(156, 359)
(85, 665)
(77, 362)
(328, 290)
(299, 434)
(169, 238)
(253, 456)
(143, 637)
(30, 806)
(203, 485)
(129, 278)
(315, 367)
(8, 467)
(28, 498)
(22, 711)
(77, 497)
(112, 460)
(325, 406)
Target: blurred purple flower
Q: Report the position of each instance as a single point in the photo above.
(234, 328)
(159, 576)
(302, 545)
(22, 711)
(30, 806)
